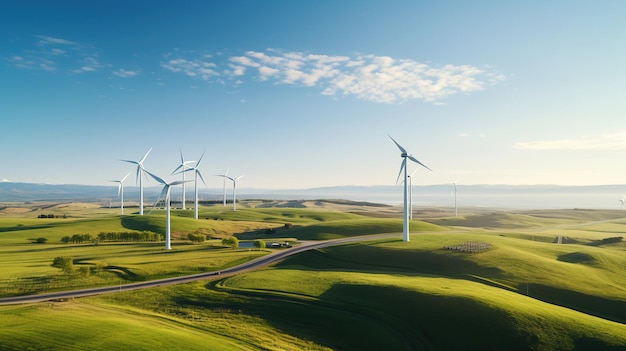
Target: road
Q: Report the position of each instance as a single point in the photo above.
(251, 265)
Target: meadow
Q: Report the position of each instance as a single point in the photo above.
(522, 291)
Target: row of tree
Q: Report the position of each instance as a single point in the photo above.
(113, 236)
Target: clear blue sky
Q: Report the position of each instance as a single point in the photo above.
(299, 94)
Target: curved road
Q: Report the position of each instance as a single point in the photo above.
(254, 264)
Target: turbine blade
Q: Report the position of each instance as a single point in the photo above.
(164, 191)
(398, 145)
(177, 168)
(401, 168)
(144, 156)
(200, 175)
(156, 178)
(126, 176)
(129, 161)
(241, 176)
(178, 182)
(415, 160)
(200, 160)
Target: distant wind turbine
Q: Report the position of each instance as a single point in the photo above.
(184, 165)
(405, 218)
(140, 175)
(234, 180)
(166, 194)
(120, 190)
(225, 175)
(197, 173)
(621, 202)
(456, 211)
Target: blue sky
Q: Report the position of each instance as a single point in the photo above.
(300, 94)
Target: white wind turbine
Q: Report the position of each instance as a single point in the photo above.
(140, 175)
(234, 180)
(456, 211)
(621, 202)
(166, 192)
(225, 175)
(184, 165)
(403, 167)
(120, 190)
(197, 173)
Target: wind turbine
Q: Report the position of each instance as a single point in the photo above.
(225, 175)
(405, 155)
(621, 202)
(410, 176)
(183, 164)
(120, 190)
(140, 174)
(197, 174)
(456, 211)
(234, 180)
(166, 192)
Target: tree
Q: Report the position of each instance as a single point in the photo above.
(66, 263)
(231, 241)
(259, 244)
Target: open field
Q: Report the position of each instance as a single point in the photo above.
(519, 291)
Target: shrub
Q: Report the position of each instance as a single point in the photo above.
(230, 241)
(259, 244)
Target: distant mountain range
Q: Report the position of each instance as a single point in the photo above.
(507, 196)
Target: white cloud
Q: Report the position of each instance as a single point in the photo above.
(603, 142)
(192, 68)
(53, 54)
(367, 77)
(123, 73)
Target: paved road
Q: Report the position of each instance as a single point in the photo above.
(254, 264)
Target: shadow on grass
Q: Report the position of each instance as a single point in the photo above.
(613, 310)
(140, 223)
(122, 273)
(576, 257)
(369, 258)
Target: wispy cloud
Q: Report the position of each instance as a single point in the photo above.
(367, 77)
(603, 142)
(124, 73)
(192, 68)
(52, 54)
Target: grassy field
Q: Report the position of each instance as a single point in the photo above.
(522, 291)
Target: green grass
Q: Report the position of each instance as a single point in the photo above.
(524, 292)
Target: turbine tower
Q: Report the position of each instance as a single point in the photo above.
(410, 176)
(234, 180)
(405, 155)
(166, 194)
(225, 175)
(140, 175)
(183, 164)
(197, 173)
(456, 211)
(120, 190)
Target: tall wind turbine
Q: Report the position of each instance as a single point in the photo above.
(234, 180)
(621, 202)
(456, 210)
(196, 170)
(225, 175)
(405, 218)
(184, 165)
(140, 175)
(166, 194)
(120, 190)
